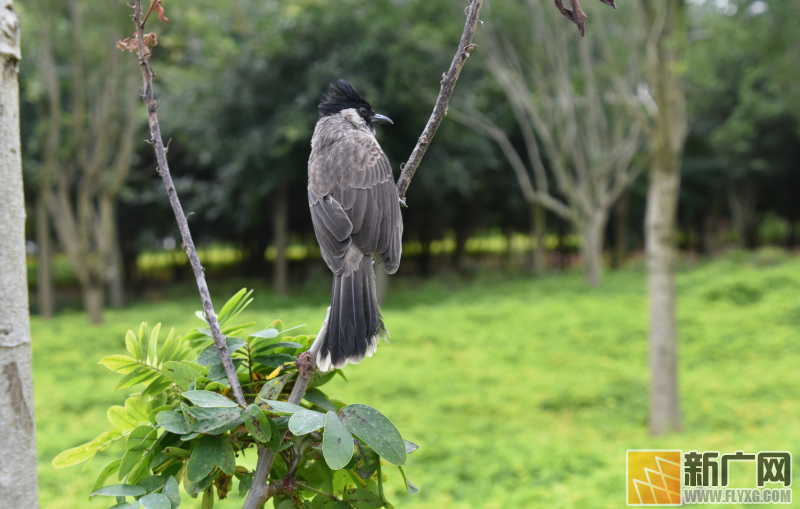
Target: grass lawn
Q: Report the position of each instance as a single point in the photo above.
(521, 392)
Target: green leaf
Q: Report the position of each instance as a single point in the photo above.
(306, 421)
(157, 386)
(152, 415)
(208, 399)
(190, 436)
(180, 373)
(282, 344)
(152, 483)
(152, 345)
(120, 363)
(337, 442)
(203, 459)
(272, 388)
(144, 339)
(366, 460)
(141, 438)
(244, 484)
(84, 452)
(318, 398)
(155, 501)
(363, 499)
(275, 436)
(177, 452)
(321, 378)
(120, 490)
(413, 489)
(208, 499)
(226, 458)
(105, 474)
(266, 333)
(282, 407)
(131, 344)
(137, 408)
(120, 418)
(167, 347)
(204, 420)
(410, 446)
(129, 460)
(174, 422)
(275, 360)
(257, 423)
(375, 430)
(139, 375)
(172, 492)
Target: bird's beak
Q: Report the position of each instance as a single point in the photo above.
(383, 119)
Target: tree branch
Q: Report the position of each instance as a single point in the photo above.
(440, 109)
(188, 243)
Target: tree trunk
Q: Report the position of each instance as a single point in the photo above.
(538, 255)
(281, 229)
(592, 247)
(660, 224)
(93, 301)
(742, 194)
(18, 480)
(44, 276)
(116, 281)
(621, 229)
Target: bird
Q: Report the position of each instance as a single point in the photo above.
(355, 209)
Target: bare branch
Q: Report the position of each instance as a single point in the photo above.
(188, 243)
(440, 109)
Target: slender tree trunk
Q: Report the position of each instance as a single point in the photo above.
(44, 277)
(621, 211)
(660, 223)
(281, 229)
(742, 194)
(592, 246)
(116, 276)
(18, 481)
(92, 294)
(538, 255)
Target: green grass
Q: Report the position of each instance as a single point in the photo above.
(521, 392)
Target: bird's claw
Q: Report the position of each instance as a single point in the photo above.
(403, 203)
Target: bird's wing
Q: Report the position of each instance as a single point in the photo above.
(369, 197)
(352, 193)
(332, 228)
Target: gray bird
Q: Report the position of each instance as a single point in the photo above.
(355, 208)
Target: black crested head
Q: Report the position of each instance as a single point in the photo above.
(341, 96)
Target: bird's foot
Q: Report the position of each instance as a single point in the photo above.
(403, 203)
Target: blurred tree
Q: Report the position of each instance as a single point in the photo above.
(742, 99)
(664, 27)
(18, 487)
(563, 95)
(82, 168)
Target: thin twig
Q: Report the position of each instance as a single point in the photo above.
(440, 109)
(188, 243)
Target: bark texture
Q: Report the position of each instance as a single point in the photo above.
(18, 480)
(666, 133)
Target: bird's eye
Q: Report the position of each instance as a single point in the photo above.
(363, 110)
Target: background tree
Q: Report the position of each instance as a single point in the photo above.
(560, 88)
(88, 148)
(18, 440)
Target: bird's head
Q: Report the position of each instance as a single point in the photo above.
(342, 99)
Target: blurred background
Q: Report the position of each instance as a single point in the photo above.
(519, 312)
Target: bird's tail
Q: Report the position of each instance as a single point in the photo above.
(354, 322)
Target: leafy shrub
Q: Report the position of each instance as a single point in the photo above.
(183, 429)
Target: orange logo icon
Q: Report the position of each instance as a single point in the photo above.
(654, 477)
